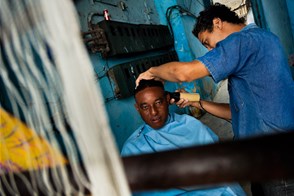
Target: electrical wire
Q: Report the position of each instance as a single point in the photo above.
(98, 77)
(201, 3)
(181, 10)
(240, 6)
(106, 3)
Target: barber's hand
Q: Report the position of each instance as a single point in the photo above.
(147, 75)
(182, 103)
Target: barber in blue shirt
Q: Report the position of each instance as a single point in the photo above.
(260, 85)
(166, 131)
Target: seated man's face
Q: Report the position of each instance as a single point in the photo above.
(152, 104)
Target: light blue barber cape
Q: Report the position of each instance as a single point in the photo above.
(179, 131)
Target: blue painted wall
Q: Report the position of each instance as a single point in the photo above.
(290, 5)
(278, 20)
(277, 16)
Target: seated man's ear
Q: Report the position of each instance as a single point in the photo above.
(168, 98)
(136, 106)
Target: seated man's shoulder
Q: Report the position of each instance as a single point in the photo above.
(186, 117)
(195, 128)
(180, 116)
(134, 135)
(133, 142)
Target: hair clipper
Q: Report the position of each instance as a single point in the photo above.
(189, 96)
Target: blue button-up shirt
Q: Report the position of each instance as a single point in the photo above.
(260, 85)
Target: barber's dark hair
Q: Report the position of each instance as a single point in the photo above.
(148, 83)
(205, 18)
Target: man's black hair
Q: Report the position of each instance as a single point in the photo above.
(205, 18)
(148, 83)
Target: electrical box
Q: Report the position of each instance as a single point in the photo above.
(126, 38)
(123, 76)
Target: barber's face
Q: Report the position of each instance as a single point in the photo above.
(210, 39)
(152, 105)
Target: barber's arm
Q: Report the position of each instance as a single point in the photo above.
(175, 72)
(221, 110)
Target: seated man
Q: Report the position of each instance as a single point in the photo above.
(166, 131)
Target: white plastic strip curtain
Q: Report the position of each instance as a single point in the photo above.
(64, 89)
